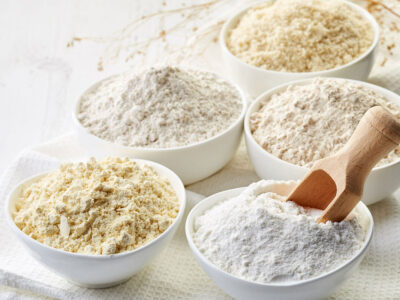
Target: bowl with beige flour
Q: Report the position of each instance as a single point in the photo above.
(97, 223)
(188, 120)
(291, 126)
(273, 42)
(254, 245)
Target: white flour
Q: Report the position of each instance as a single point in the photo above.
(304, 123)
(160, 108)
(259, 237)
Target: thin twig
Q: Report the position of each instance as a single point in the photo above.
(379, 3)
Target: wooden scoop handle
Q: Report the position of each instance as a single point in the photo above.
(376, 135)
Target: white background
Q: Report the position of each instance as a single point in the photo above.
(40, 77)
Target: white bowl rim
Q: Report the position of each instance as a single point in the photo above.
(214, 198)
(362, 12)
(177, 220)
(150, 149)
(260, 98)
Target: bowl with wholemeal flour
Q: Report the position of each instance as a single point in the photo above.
(291, 126)
(97, 223)
(273, 42)
(254, 245)
(190, 121)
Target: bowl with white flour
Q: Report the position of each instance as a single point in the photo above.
(273, 42)
(97, 223)
(188, 120)
(291, 126)
(254, 245)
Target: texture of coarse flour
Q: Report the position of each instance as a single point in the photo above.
(106, 206)
(304, 123)
(300, 35)
(259, 237)
(160, 108)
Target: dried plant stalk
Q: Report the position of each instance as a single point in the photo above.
(125, 44)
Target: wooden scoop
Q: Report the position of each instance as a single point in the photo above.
(335, 184)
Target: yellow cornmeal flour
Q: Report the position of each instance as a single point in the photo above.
(100, 207)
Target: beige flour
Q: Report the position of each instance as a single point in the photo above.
(300, 35)
(304, 123)
(99, 207)
(160, 108)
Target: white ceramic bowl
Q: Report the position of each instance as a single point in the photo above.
(192, 162)
(316, 288)
(381, 182)
(98, 271)
(256, 80)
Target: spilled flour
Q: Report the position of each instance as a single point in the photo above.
(259, 237)
(160, 108)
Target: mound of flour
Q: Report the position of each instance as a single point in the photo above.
(160, 108)
(300, 35)
(259, 237)
(304, 123)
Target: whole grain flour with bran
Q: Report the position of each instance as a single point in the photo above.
(304, 123)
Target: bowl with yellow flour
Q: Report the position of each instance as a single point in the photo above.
(97, 223)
